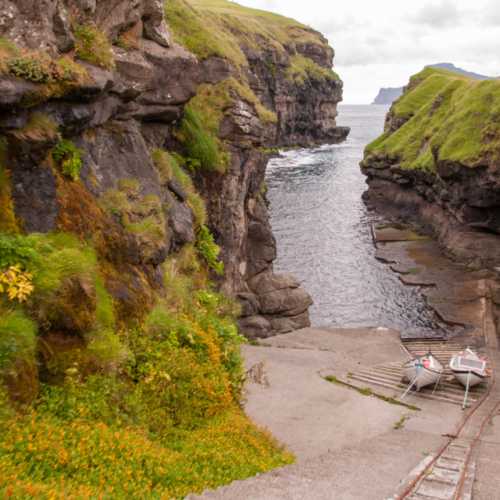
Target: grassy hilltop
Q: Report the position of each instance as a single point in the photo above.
(226, 29)
(442, 117)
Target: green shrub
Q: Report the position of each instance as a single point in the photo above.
(201, 146)
(105, 314)
(93, 46)
(69, 158)
(16, 249)
(17, 337)
(39, 67)
(105, 349)
(142, 216)
(209, 250)
(33, 67)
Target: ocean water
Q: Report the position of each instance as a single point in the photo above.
(323, 233)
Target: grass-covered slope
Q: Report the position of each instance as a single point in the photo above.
(442, 117)
(226, 29)
(114, 384)
(147, 409)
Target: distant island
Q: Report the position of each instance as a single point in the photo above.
(390, 94)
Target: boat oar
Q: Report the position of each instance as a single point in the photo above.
(437, 382)
(406, 351)
(412, 383)
(466, 391)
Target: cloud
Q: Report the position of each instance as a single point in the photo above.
(491, 14)
(440, 15)
(380, 44)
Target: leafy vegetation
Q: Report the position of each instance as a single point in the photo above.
(69, 158)
(169, 167)
(37, 66)
(93, 46)
(209, 250)
(156, 412)
(202, 146)
(44, 456)
(16, 283)
(8, 222)
(445, 117)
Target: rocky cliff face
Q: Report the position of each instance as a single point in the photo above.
(107, 84)
(439, 160)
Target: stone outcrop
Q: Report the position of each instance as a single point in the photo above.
(117, 114)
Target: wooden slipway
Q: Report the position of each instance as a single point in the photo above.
(389, 375)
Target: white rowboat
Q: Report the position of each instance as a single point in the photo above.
(422, 371)
(468, 368)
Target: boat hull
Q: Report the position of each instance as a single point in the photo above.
(461, 376)
(423, 378)
(468, 362)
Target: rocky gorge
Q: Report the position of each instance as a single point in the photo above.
(271, 93)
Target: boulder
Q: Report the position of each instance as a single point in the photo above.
(285, 302)
(256, 327)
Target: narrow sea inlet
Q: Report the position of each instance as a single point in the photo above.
(323, 231)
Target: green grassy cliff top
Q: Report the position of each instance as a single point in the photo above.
(446, 117)
(222, 28)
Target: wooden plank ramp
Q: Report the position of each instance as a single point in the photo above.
(449, 473)
(390, 375)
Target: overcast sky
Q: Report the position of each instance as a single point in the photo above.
(381, 43)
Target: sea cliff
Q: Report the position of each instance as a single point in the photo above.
(437, 164)
(134, 235)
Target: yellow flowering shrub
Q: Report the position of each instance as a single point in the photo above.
(16, 283)
(143, 410)
(42, 457)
